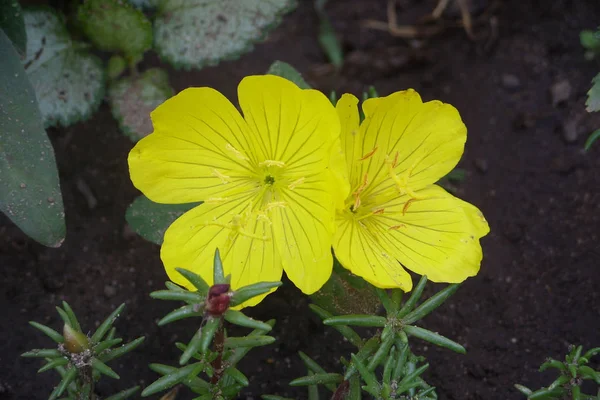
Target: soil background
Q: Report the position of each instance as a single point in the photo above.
(538, 289)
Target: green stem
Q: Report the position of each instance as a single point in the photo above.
(217, 364)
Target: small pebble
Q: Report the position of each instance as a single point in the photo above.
(560, 92)
(109, 291)
(510, 81)
(481, 164)
(570, 130)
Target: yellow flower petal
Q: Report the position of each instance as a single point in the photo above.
(302, 228)
(359, 249)
(347, 110)
(423, 142)
(199, 148)
(242, 234)
(292, 126)
(435, 235)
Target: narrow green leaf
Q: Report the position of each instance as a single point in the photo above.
(576, 392)
(587, 372)
(525, 390)
(218, 274)
(424, 393)
(247, 292)
(208, 332)
(103, 368)
(552, 363)
(288, 72)
(192, 347)
(357, 320)
(313, 392)
(118, 352)
(181, 313)
(111, 333)
(237, 354)
(355, 392)
(174, 287)
(51, 333)
(409, 381)
(317, 379)
(195, 280)
(69, 377)
(388, 367)
(214, 31)
(193, 382)
(333, 97)
(591, 139)
(345, 330)
(150, 220)
(63, 315)
(385, 300)
(106, 324)
(248, 341)
(172, 379)
(106, 344)
(29, 186)
(365, 352)
(124, 394)
(11, 22)
(434, 338)
(561, 380)
(188, 297)
(382, 352)
(543, 394)
(364, 372)
(74, 323)
(591, 353)
(593, 100)
(327, 36)
(396, 298)
(414, 297)
(237, 376)
(42, 353)
(238, 318)
(315, 368)
(400, 360)
(57, 362)
(430, 304)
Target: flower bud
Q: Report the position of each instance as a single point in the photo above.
(217, 301)
(75, 341)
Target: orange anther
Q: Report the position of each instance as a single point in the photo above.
(368, 155)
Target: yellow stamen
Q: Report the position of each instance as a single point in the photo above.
(407, 204)
(224, 178)
(215, 200)
(274, 204)
(272, 163)
(236, 152)
(368, 155)
(297, 182)
(396, 227)
(359, 190)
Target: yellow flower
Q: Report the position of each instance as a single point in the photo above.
(394, 212)
(268, 194)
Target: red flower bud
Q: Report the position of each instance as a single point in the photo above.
(217, 301)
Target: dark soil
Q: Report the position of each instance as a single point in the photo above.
(538, 289)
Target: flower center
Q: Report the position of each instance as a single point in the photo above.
(269, 180)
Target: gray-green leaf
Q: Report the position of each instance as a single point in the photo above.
(150, 220)
(197, 33)
(133, 99)
(288, 72)
(11, 22)
(68, 81)
(29, 186)
(593, 100)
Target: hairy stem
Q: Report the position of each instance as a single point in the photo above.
(217, 364)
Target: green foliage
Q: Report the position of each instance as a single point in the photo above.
(593, 100)
(327, 36)
(212, 352)
(133, 99)
(384, 365)
(591, 139)
(590, 40)
(116, 26)
(29, 186)
(81, 360)
(67, 79)
(197, 33)
(571, 374)
(150, 220)
(11, 22)
(288, 72)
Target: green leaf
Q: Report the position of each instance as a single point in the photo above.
(414, 297)
(239, 353)
(593, 100)
(29, 186)
(288, 72)
(208, 332)
(69, 377)
(590, 40)
(382, 352)
(363, 354)
(72, 318)
(434, 338)
(124, 394)
(198, 33)
(218, 274)
(366, 375)
(357, 320)
(11, 22)
(345, 330)
(345, 293)
(315, 368)
(107, 324)
(248, 341)
(591, 139)
(196, 384)
(317, 379)
(118, 352)
(116, 26)
(191, 348)
(133, 99)
(51, 333)
(180, 313)
(172, 379)
(103, 368)
(67, 79)
(150, 220)
(247, 292)
(238, 318)
(430, 304)
(327, 36)
(107, 344)
(195, 280)
(57, 362)
(42, 353)
(237, 376)
(188, 297)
